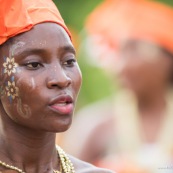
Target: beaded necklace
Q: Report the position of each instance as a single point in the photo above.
(65, 162)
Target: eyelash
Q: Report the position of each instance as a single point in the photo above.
(70, 62)
(37, 65)
(33, 65)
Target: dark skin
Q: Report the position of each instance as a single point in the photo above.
(48, 80)
(50, 64)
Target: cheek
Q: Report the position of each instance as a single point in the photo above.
(26, 85)
(22, 102)
(132, 74)
(28, 89)
(128, 72)
(16, 89)
(149, 71)
(9, 90)
(140, 70)
(16, 110)
(76, 79)
(23, 110)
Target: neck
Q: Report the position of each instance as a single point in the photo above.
(27, 149)
(151, 114)
(151, 100)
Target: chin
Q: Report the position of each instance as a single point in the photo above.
(58, 129)
(63, 126)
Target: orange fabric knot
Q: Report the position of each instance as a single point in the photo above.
(17, 16)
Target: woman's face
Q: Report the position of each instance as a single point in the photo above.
(40, 79)
(143, 67)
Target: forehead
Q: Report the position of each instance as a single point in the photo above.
(136, 44)
(142, 48)
(42, 36)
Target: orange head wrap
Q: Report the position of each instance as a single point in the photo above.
(17, 16)
(115, 20)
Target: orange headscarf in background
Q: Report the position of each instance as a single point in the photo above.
(17, 16)
(115, 20)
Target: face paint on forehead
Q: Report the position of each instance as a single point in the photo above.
(14, 48)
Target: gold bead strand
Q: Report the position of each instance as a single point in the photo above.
(11, 167)
(65, 161)
(17, 169)
(54, 171)
(66, 164)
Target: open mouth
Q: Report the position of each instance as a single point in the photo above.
(62, 105)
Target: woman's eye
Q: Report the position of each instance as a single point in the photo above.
(33, 65)
(70, 62)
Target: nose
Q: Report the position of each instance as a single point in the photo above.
(58, 78)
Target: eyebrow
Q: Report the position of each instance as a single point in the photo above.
(30, 51)
(39, 51)
(68, 49)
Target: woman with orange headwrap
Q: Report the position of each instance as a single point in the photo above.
(40, 80)
(131, 131)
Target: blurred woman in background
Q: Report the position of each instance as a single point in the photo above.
(131, 131)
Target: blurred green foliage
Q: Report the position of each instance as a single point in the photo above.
(74, 12)
(168, 2)
(96, 84)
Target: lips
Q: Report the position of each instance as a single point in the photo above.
(62, 104)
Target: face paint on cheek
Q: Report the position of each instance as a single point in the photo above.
(33, 83)
(30, 83)
(9, 65)
(11, 89)
(9, 69)
(23, 109)
(2, 91)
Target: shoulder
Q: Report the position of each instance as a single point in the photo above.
(84, 167)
